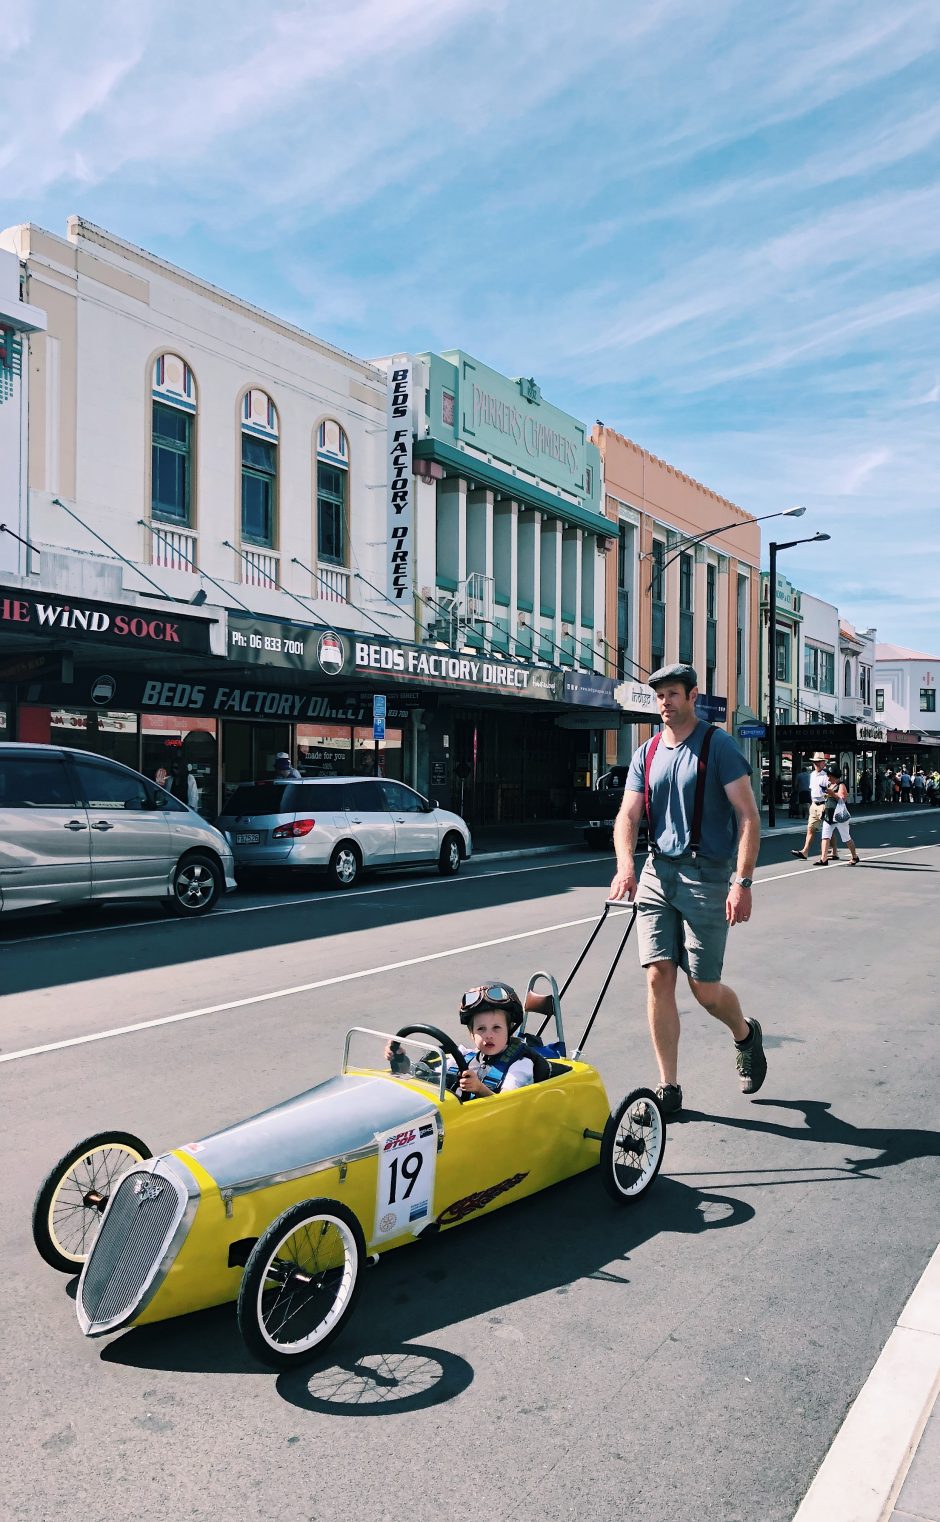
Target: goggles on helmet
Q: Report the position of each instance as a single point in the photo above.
(491, 996)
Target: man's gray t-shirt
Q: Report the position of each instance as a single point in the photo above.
(673, 778)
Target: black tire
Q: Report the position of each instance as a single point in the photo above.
(197, 885)
(632, 1147)
(345, 865)
(73, 1194)
(285, 1282)
(448, 863)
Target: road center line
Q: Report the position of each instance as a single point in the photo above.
(371, 972)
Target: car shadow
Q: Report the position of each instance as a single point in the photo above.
(383, 1359)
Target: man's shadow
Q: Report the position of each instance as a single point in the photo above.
(894, 1145)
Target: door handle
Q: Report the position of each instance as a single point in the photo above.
(354, 819)
(102, 825)
(74, 824)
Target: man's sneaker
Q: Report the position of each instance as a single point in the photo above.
(670, 1098)
(750, 1059)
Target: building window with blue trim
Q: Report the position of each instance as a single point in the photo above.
(259, 469)
(332, 494)
(172, 415)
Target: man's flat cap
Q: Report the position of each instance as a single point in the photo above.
(680, 672)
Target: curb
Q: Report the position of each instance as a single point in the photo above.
(862, 1474)
(797, 827)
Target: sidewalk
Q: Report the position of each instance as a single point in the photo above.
(543, 837)
(884, 1465)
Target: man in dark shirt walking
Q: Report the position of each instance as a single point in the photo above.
(693, 784)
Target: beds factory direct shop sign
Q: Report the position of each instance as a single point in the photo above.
(328, 653)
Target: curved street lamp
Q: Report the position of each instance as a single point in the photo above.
(775, 548)
(687, 544)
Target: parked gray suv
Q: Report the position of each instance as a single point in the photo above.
(75, 827)
(340, 824)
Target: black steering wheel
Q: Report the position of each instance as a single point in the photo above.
(447, 1042)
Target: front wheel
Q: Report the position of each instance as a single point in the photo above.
(632, 1146)
(448, 863)
(197, 885)
(301, 1282)
(73, 1195)
(345, 866)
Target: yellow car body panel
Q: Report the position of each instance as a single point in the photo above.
(494, 1151)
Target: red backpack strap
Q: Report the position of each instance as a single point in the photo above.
(699, 807)
(651, 747)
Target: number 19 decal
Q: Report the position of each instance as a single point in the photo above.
(405, 1183)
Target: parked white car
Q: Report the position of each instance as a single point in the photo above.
(341, 825)
(76, 827)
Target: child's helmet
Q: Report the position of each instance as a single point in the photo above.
(492, 996)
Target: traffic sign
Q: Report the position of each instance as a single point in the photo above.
(379, 709)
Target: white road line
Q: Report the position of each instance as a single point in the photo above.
(301, 988)
(320, 898)
(371, 972)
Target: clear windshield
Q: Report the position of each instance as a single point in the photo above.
(409, 1060)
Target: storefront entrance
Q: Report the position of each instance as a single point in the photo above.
(514, 768)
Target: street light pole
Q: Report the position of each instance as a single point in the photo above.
(772, 673)
(688, 543)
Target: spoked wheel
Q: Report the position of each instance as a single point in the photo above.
(197, 886)
(345, 866)
(73, 1195)
(301, 1282)
(632, 1148)
(448, 863)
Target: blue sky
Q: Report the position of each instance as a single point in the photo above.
(714, 226)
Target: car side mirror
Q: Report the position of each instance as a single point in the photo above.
(429, 807)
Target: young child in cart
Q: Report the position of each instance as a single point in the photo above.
(492, 1013)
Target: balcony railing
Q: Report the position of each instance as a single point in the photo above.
(259, 568)
(331, 584)
(174, 548)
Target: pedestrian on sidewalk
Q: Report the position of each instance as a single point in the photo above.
(836, 817)
(817, 789)
(920, 787)
(692, 783)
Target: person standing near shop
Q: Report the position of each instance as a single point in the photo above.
(693, 783)
(817, 805)
(284, 768)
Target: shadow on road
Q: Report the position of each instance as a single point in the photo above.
(383, 1362)
(893, 1144)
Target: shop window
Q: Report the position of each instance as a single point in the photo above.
(928, 700)
(332, 494)
(173, 412)
(259, 469)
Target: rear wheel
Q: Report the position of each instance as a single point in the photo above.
(345, 865)
(73, 1195)
(632, 1147)
(197, 885)
(301, 1282)
(448, 863)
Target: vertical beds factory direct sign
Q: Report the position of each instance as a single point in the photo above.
(400, 550)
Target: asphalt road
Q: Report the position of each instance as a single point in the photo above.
(688, 1360)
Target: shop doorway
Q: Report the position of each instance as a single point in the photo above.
(248, 751)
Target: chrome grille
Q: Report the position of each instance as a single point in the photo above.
(134, 1234)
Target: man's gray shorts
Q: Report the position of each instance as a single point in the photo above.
(681, 903)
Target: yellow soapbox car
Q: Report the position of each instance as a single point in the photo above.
(282, 1212)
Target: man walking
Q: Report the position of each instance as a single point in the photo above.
(818, 783)
(692, 783)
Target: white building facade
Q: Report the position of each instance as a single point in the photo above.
(905, 690)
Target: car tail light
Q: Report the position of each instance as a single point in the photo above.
(291, 831)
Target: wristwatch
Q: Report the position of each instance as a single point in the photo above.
(742, 882)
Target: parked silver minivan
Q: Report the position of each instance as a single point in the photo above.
(75, 827)
(342, 825)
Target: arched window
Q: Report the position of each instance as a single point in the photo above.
(259, 468)
(847, 687)
(332, 494)
(173, 417)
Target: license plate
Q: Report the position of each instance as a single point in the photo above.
(250, 838)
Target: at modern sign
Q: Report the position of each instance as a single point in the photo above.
(85, 622)
(400, 517)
